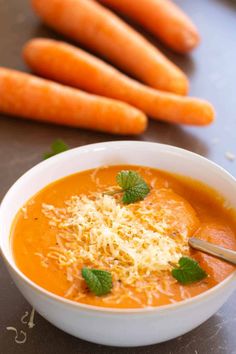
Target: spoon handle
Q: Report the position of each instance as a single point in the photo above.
(210, 248)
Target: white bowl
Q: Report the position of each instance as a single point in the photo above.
(117, 327)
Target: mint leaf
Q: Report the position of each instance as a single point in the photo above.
(133, 186)
(188, 271)
(135, 193)
(57, 147)
(98, 281)
(127, 179)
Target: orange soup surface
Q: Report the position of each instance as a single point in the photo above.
(78, 222)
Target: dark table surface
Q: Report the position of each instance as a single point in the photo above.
(212, 72)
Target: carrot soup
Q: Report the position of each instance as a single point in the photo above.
(117, 236)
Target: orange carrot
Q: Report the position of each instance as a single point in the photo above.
(162, 18)
(72, 66)
(28, 96)
(100, 30)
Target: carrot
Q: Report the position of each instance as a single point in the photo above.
(28, 96)
(162, 18)
(103, 32)
(72, 66)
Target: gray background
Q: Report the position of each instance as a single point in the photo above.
(212, 72)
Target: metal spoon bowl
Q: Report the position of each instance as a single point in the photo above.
(214, 250)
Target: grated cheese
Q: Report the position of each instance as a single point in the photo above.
(31, 323)
(26, 314)
(138, 243)
(24, 212)
(94, 177)
(70, 290)
(184, 294)
(18, 341)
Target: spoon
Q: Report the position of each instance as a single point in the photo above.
(210, 248)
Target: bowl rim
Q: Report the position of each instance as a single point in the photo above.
(92, 308)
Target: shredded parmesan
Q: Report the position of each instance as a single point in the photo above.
(23, 317)
(44, 260)
(172, 301)
(96, 179)
(134, 242)
(24, 211)
(23, 320)
(17, 340)
(184, 294)
(31, 323)
(71, 290)
(153, 182)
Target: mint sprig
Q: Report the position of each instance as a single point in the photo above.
(188, 271)
(132, 185)
(98, 281)
(57, 147)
